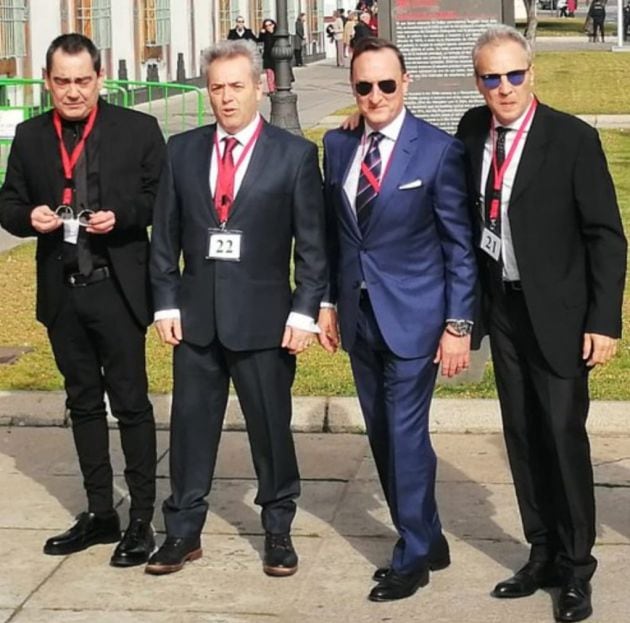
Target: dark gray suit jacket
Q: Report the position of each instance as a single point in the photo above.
(280, 210)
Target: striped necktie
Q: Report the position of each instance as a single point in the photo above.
(366, 193)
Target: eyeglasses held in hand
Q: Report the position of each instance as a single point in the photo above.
(515, 78)
(364, 88)
(66, 213)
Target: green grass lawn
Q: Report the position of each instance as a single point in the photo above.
(584, 82)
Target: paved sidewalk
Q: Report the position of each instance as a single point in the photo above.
(342, 531)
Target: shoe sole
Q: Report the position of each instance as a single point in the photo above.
(164, 569)
(280, 572)
(128, 563)
(53, 551)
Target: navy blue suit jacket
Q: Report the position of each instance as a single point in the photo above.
(417, 257)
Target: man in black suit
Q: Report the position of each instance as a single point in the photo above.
(234, 198)
(240, 33)
(552, 263)
(83, 178)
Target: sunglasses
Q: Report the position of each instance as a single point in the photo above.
(515, 78)
(364, 88)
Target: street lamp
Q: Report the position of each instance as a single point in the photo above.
(283, 103)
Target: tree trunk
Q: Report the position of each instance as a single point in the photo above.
(532, 21)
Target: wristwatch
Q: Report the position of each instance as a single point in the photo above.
(459, 328)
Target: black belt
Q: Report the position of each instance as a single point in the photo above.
(77, 280)
(512, 286)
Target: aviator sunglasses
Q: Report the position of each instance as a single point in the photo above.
(515, 78)
(364, 88)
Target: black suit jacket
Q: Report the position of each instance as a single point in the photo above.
(566, 228)
(247, 35)
(279, 208)
(131, 151)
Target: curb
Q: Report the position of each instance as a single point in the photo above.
(313, 414)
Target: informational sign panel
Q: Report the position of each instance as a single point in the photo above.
(436, 38)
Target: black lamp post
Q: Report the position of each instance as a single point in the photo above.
(283, 103)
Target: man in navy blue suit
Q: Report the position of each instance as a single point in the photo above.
(402, 277)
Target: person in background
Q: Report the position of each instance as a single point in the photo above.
(240, 33)
(362, 28)
(597, 13)
(337, 28)
(299, 40)
(267, 38)
(348, 36)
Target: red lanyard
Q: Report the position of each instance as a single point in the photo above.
(70, 161)
(223, 209)
(499, 174)
(375, 183)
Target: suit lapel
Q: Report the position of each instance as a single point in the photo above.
(50, 153)
(400, 159)
(345, 158)
(201, 174)
(111, 150)
(258, 163)
(533, 156)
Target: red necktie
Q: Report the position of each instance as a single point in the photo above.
(225, 180)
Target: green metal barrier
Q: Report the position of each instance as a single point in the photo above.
(177, 107)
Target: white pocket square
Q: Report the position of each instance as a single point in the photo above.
(410, 185)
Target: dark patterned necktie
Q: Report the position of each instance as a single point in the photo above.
(366, 193)
(489, 193)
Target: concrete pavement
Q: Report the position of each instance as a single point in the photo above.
(342, 531)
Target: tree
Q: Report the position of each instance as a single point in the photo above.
(532, 20)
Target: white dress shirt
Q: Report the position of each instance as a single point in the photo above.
(295, 320)
(510, 266)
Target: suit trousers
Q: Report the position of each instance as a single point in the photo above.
(99, 346)
(395, 396)
(544, 424)
(262, 380)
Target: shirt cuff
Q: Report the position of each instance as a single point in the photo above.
(302, 322)
(327, 305)
(165, 314)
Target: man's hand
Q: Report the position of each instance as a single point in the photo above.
(351, 122)
(296, 341)
(101, 222)
(169, 330)
(44, 220)
(598, 349)
(454, 353)
(329, 332)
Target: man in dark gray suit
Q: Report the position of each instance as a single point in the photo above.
(231, 314)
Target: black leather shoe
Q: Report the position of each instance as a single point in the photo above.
(574, 602)
(90, 529)
(173, 555)
(280, 558)
(439, 558)
(136, 545)
(399, 585)
(528, 580)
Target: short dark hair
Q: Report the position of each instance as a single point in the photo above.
(73, 43)
(374, 44)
